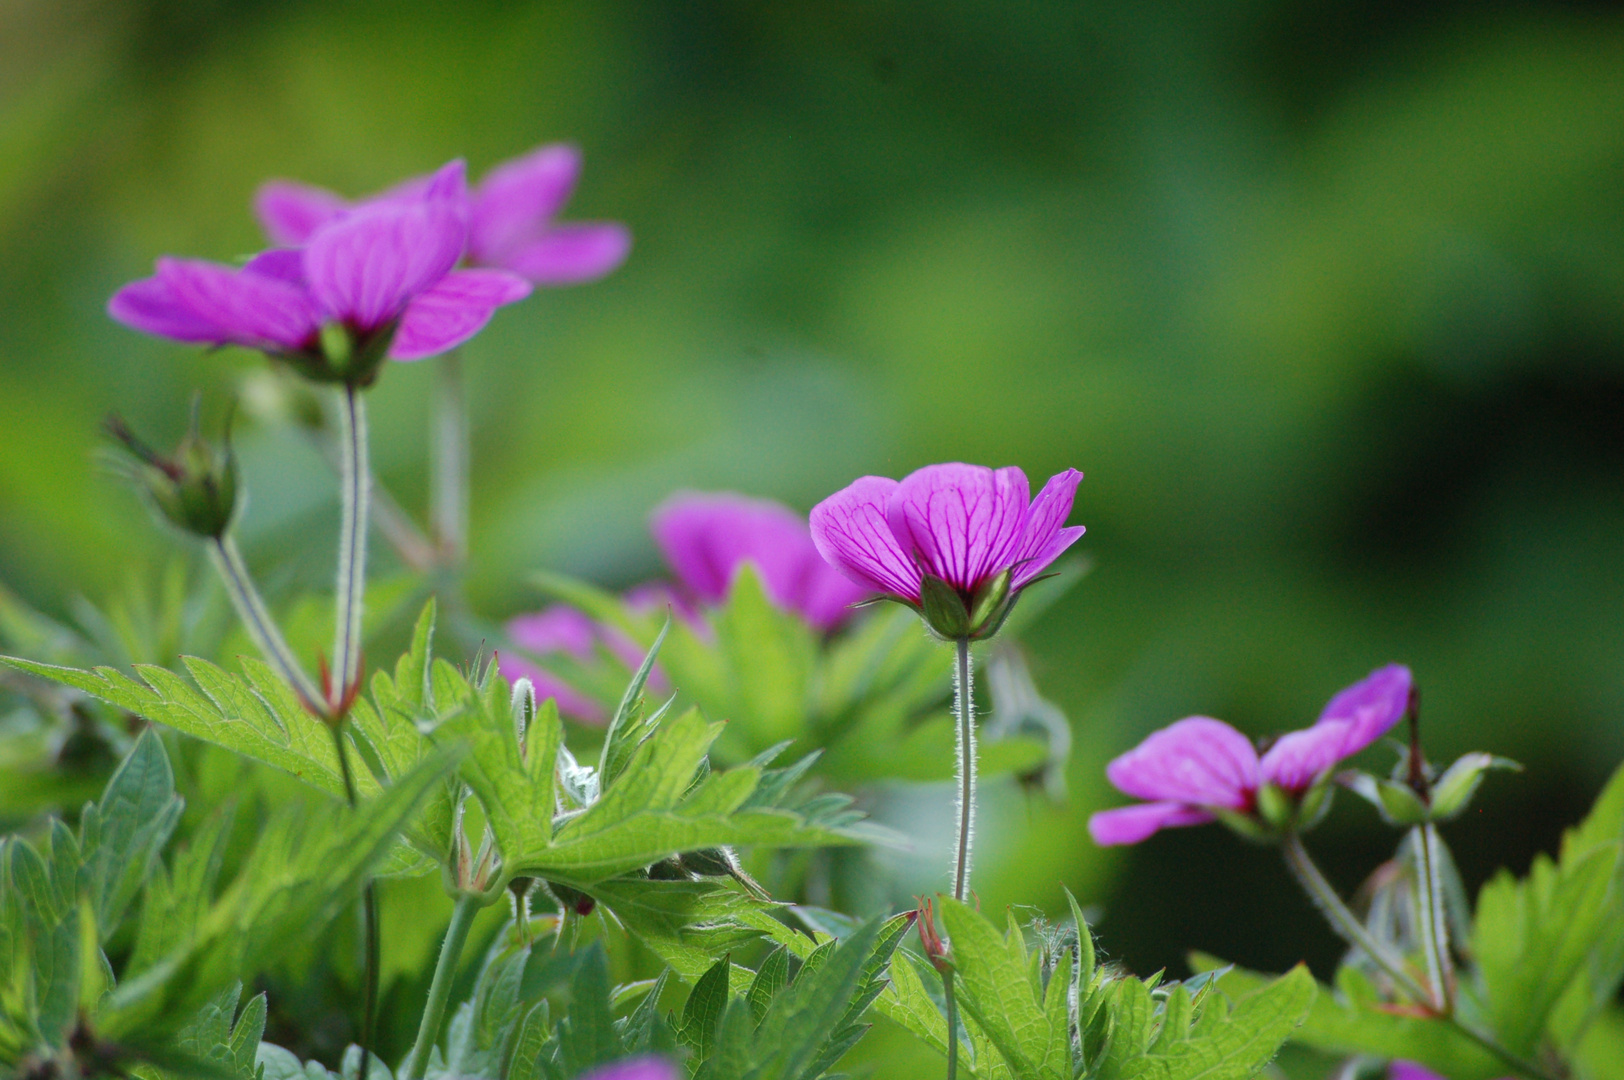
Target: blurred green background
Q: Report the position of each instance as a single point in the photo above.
(1326, 299)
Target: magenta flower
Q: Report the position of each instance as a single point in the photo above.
(565, 631)
(970, 528)
(383, 275)
(510, 218)
(705, 538)
(645, 1068)
(1199, 768)
(1409, 1070)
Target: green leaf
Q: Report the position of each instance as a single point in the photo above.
(1350, 1021)
(995, 989)
(587, 1034)
(127, 829)
(1237, 1048)
(702, 1015)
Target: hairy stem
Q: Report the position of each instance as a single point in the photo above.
(369, 918)
(456, 935)
(355, 485)
(449, 493)
(256, 619)
(965, 753)
(1343, 921)
(1429, 902)
(965, 745)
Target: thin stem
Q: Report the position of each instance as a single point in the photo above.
(369, 918)
(1518, 1063)
(256, 619)
(449, 493)
(965, 754)
(393, 523)
(1429, 900)
(1343, 921)
(965, 745)
(355, 484)
(456, 935)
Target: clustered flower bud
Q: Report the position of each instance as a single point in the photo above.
(195, 488)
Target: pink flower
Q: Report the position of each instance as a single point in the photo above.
(383, 274)
(510, 218)
(565, 631)
(1200, 765)
(705, 538)
(645, 1068)
(962, 525)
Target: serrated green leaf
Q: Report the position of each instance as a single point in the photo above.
(587, 1034)
(702, 1014)
(995, 988)
(1236, 1049)
(132, 822)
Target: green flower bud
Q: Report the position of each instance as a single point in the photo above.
(195, 487)
(1276, 807)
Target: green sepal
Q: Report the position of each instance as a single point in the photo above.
(1453, 792)
(990, 604)
(1245, 825)
(1275, 806)
(943, 609)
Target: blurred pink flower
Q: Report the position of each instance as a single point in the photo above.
(564, 630)
(706, 537)
(646, 1068)
(1199, 764)
(962, 524)
(510, 218)
(387, 269)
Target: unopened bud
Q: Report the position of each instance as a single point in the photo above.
(1453, 792)
(523, 707)
(936, 947)
(195, 487)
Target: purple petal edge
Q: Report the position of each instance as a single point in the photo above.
(1131, 824)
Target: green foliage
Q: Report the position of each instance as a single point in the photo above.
(1548, 961)
(171, 1008)
(1054, 1015)
(873, 698)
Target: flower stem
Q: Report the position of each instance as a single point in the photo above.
(1343, 921)
(456, 935)
(1353, 931)
(256, 619)
(449, 496)
(355, 484)
(1429, 899)
(965, 747)
(369, 917)
(964, 713)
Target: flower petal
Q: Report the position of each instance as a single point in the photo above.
(1198, 760)
(706, 537)
(647, 1068)
(1131, 824)
(1371, 706)
(365, 268)
(247, 308)
(962, 521)
(570, 254)
(289, 212)
(516, 200)
(1298, 758)
(453, 311)
(556, 629)
(1409, 1070)
(1044, 540)
(150, 306)
(852, 533)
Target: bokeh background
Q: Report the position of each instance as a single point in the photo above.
(1325, 298)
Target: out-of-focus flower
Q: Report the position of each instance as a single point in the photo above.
(646, 1068)
(706, 537)
(956, 542)
(510, 218)
(567, 631)
(1409, 1070)
(1199, 768)
(376, 282)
